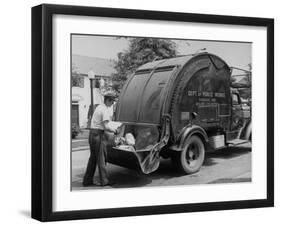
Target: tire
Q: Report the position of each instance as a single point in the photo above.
(192, 157)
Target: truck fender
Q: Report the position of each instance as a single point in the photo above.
(247, 131)
(190, 130)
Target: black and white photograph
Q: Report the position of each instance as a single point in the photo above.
(152, 111)
(142, 112)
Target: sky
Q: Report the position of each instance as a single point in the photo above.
(236, 54)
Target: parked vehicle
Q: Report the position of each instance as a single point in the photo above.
(74, 130)
(179, 108)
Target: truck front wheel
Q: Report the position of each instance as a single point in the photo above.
(192, 157)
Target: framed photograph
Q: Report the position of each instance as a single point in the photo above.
(146, 112)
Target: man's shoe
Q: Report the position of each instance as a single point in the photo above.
(88, 183)
(97, 183)
(109, 183)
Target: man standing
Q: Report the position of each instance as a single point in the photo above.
(102, 116)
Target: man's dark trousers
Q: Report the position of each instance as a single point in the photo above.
(97, 143)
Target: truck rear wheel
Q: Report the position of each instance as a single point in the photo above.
(192, 157)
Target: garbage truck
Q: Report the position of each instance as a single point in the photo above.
(179, 108)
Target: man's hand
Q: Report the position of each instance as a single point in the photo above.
(118, 130)
(107, 128)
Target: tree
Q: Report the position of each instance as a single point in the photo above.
(243, 82)
(76, 79)
(246, 93)
(140, 51)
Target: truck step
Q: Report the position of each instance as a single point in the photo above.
(236, 142)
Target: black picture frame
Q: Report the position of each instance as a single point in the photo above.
(42, 107)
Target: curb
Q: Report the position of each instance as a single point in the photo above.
(84, 148)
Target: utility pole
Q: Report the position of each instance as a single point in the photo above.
(91, 75)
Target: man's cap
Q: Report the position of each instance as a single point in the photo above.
(111, 94)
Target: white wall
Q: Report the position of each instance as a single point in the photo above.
(16, 104)
(83, 98)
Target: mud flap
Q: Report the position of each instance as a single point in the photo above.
(149, 161)
(149, 158)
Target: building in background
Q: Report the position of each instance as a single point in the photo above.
(81, 88)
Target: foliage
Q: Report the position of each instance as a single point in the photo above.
(74, 130)
(74, 70)
(76, 79)
(247, 93)
(140, 51)
(245, 90)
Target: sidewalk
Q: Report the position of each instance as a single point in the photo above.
(81, 148)
(81, 141)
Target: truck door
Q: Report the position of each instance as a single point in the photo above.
(237, 113)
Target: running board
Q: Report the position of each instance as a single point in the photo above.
(236, 142)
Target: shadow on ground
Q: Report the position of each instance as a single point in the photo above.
(129, 181)
(120, 180)
(226, 153)
(25, 213)
(166, 170)
(231, 180)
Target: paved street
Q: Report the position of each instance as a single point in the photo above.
(226, 166)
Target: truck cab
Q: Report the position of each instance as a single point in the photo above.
(241, 116)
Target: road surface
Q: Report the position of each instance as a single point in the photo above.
(230, 165)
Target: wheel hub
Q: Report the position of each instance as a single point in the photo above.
(192, 154)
